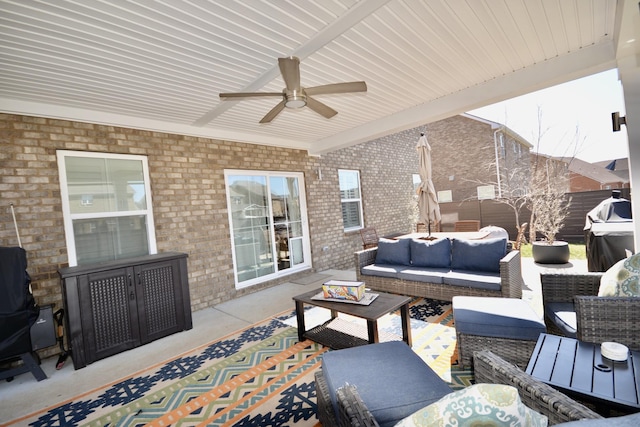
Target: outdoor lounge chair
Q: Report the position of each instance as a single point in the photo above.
(369, 237)
(597, 319)
(467, 225)
(488, 368)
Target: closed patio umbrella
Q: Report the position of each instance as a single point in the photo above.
(427, 197)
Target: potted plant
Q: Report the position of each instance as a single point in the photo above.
(549, 208)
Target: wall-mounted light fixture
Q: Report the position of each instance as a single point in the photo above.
(616, 121)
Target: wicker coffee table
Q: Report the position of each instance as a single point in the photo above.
(330, 337)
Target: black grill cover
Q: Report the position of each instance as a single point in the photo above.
(18, 310)
(608, 233)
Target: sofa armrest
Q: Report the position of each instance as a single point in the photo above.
(511, 280)
(364, 258)
(563, 287)
(353, 411)
(601, 319)
(558, 407)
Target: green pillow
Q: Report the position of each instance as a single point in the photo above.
(484, 405)
(622, 279)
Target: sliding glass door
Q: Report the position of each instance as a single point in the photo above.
(269, 231)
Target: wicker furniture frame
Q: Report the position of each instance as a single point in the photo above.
(489, 368)
(599, 319)
(510, 278)
(515, 351)
(557, 406)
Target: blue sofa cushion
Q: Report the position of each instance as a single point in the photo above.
(395, 252)
(478, 255)
(382, 270)
(563, 315)
(427, 275)
(510, 318)
(478, 280)
(431, 253)
(391, 379)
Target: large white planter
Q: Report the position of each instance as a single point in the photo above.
(556, 253)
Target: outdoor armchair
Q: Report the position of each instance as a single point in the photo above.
(597, 319)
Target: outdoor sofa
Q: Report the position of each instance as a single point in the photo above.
(441, 269)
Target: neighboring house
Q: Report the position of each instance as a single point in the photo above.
(474, 158)
(584, 176)
(591, 176)
(619, 167)
(249, 216)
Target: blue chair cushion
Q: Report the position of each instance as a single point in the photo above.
(478, 255)
(509, 318)
(395, 252)
(563, 315)
(391, 379)
(431, 253)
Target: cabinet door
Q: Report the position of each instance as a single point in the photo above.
(109, 313)
(160, 306)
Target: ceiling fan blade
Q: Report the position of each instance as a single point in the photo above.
(248, 94)
(290, 70)
(273, 113)
(337, 88)
(321, 108)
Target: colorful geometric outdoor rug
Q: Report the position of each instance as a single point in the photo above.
(260, 376)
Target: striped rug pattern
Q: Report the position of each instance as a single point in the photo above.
(258, 376)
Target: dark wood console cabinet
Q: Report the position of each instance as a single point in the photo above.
(119, 305)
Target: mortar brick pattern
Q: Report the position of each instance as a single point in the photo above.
(188, 191)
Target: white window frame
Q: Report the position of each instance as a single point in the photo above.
(358, 199)
(306, 238)
(66, 208)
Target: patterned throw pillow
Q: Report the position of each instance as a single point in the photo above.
(622, 279)
(485, 405)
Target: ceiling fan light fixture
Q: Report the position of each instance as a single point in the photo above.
(295, 99)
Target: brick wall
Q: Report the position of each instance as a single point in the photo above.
(188, 191)
(463, 155)
(189, 200)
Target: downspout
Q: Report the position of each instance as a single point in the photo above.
(495, 145)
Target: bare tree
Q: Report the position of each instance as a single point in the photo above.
(511, 183)
(547, 195)
(548, 186)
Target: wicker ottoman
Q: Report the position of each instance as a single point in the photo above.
(507, 326)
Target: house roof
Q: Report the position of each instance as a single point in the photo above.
(594, 171)
(161, 65)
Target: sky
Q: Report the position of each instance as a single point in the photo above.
(576, 118)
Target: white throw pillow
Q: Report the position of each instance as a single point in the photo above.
(478, 405)
(622, 279)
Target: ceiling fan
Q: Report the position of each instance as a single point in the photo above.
(296, 96)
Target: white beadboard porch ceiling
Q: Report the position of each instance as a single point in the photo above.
(160, 65)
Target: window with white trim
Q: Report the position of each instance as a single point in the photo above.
(351, 199)
(268, 222)
(106, 204)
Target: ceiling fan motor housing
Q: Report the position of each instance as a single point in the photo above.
(295, 98)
